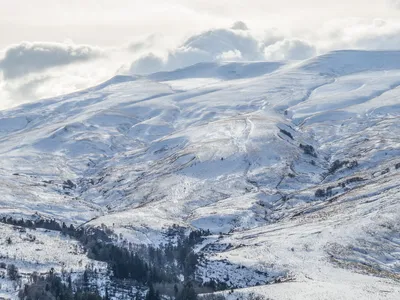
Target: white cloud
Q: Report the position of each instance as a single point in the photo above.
(35, 70)
(152, 42)
(290, 49)
(62, 69)
(375, 34)
(212, 45)
(245, 45)
(147, 64)
(271, 36)
(146, 43)
(239, 25)
(25, 58)
(217, 41)
(394, 3)
(232, 55)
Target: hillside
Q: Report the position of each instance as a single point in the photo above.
(293, 167)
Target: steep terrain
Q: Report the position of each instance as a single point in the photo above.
(294, 168)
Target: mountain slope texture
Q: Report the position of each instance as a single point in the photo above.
(294, 168)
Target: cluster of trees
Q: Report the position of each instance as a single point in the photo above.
(41, 223)
(349, 181)
(145, 267)
(328, 192)
(12, 271)
(54, 287)
(78, 233)
(51, 287)
(147, 264)
(337, 164)
(141, 265)
(308, 150)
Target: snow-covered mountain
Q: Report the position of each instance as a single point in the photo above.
(295, 166)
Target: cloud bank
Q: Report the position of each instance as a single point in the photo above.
(29, 71)
(290, 49)
(27, 57)
(212, 45)
(395, 3)
(239, 43)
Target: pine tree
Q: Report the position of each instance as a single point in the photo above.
(106, 296)
(187, 293)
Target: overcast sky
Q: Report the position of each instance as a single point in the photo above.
(120, 20)
(51, 47)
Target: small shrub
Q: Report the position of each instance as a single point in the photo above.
(337, 164)
(354, 179)
(353, 164)
(308, 150)
(320, 193)
(329, 191)
(287, 133)
(387, 170)
(12, 272)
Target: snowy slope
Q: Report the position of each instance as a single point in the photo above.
(222, 147)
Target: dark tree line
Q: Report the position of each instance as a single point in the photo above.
(144, 265)
(337, 164)
(51, 287)
(147, 264)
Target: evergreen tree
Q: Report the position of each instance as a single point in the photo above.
(187, 293)
(152, 294)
